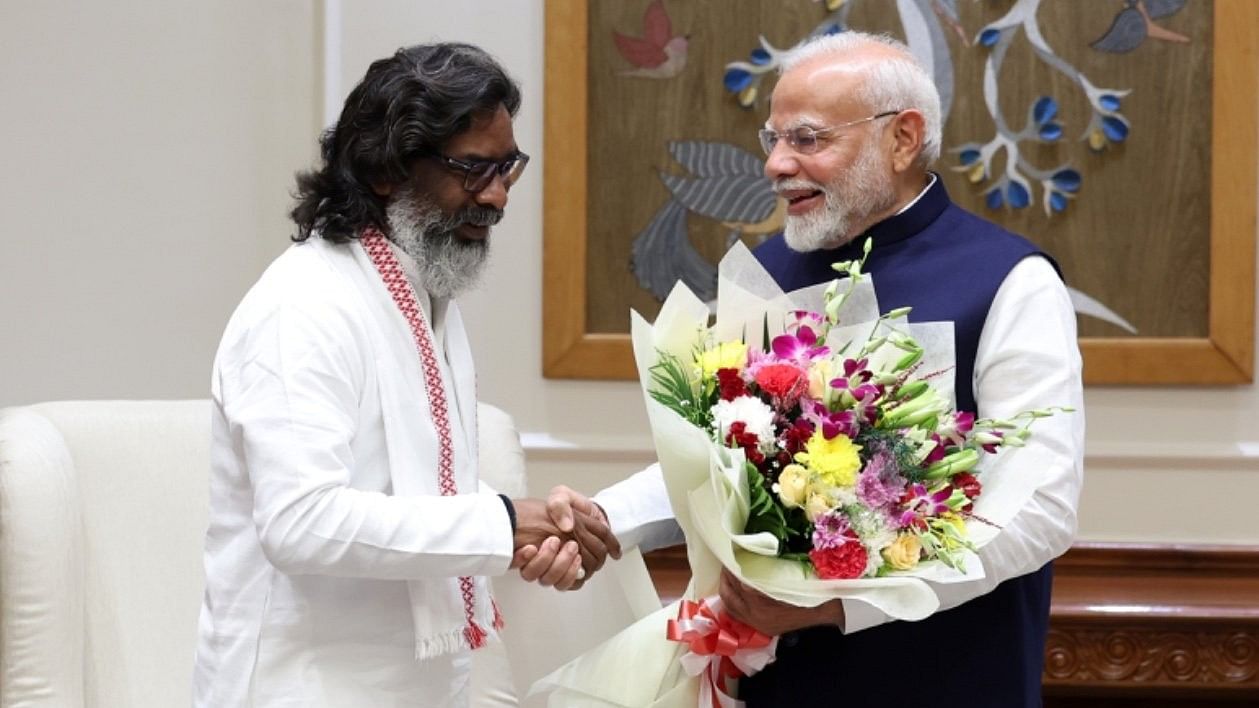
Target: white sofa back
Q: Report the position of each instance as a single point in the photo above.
(102, 515)
(103, 511)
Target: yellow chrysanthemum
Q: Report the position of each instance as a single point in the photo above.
(727, 355)
(836, 460)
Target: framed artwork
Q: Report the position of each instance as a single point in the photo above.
(1121, 136)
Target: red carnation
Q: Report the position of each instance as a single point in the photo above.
(841, 562)
(779, 380)
(730, 384)
(795, 437)
(739, 437)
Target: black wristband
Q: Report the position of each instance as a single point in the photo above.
(511, 512)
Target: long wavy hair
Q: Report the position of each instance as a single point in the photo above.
(407, 106)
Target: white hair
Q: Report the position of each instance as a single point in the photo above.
(891, 84)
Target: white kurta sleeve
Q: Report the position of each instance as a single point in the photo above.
(639, 512)
(1027, 358)
(289, 388)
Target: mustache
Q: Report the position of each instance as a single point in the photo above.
(480, 216)
(784, 185)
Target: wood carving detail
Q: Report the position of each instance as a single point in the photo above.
(1160, 657)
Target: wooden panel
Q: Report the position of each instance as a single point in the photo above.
(1130, 624)
(576, 348)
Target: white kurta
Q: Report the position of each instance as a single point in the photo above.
(331, 561)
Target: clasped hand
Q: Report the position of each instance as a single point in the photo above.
(561, 542)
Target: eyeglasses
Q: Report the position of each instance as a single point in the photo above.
(477, 174)
(804, 139)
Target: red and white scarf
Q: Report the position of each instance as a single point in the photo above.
(437, 632)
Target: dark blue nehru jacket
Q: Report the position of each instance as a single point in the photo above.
(946, 264)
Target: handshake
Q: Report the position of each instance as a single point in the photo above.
(562, 541)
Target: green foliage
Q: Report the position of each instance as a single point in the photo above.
(764, 514)
(873, 440)
(672, 387)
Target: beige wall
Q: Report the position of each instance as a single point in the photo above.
(138, 297)
(148, 148)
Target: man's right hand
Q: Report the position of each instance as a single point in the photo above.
(560, 554)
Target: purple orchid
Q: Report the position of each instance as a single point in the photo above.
(918, 504)
(831, 422)
(799, 348)
(956, 427)
(855, 378)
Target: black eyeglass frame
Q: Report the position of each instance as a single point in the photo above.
(477, 174)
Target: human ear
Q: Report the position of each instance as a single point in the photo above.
(909, 130)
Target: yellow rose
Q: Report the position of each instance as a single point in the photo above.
(903, 553)
(792, 483)
(836, 460)
(727, 355)
(817, 505)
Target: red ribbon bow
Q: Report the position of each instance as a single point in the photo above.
(721, 648)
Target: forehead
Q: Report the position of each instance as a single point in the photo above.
(819, 91)
(489, 136)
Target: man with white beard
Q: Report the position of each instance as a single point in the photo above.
(349, 533)
(853, 128)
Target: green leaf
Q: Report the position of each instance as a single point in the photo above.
(764, 513)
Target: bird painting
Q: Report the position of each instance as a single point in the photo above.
(1135, 22)
(658, 53)
(723, 182)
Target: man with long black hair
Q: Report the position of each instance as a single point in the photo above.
(349, 533)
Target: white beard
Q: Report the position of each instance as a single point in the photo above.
(851, 198)
(448, 265)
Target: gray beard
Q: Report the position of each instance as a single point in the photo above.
(851, 198)
(448, 265)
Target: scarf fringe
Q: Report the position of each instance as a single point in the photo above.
(471, 636)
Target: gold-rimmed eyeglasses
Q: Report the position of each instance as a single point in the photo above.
(804, 139)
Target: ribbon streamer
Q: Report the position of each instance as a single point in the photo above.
(721, 648)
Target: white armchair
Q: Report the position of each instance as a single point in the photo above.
(103, 509)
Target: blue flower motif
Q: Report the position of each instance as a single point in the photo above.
(1044, 110)
(989, 36)
(993, 198)
(1116, 130)
(1109, 101)
(968, 156)
(1017, 195)
(1057, 201)
(1050, 132)
(760, 57)
(1067, 180)
(736, 80)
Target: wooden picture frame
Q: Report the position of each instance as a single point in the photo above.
(1224, 356)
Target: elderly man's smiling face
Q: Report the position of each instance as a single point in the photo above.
(846, 185)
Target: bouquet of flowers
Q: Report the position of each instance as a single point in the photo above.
(809, 446)
(856, 466)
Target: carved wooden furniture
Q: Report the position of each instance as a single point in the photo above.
(1131, 625)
